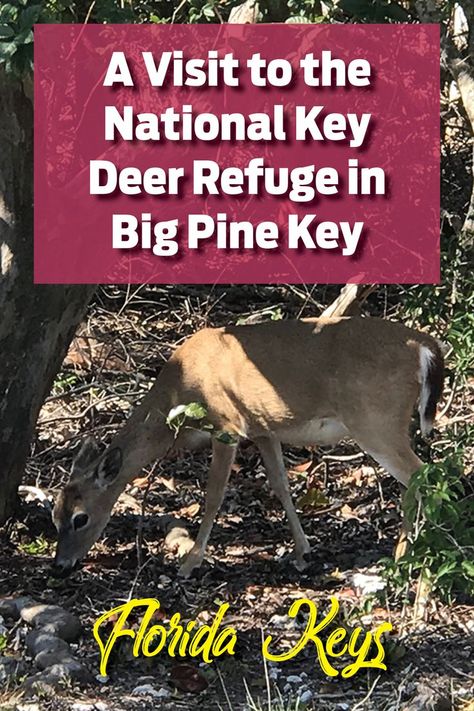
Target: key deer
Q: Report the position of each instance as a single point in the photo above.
(306, 382)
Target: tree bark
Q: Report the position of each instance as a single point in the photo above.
(37, 323)
(457, 56)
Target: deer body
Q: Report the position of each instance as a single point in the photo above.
(303, 382)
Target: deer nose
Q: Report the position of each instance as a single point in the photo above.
(61, 569)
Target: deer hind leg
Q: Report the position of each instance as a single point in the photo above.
(223, 456)
(270, 450)
(399, 460)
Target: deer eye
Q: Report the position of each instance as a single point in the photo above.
(79, 521)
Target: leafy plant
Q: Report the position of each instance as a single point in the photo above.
(313, 499)
(225, 437)
(64, 381)
(447, 308)
(197, 413)
(37, 547)
(442, 549)
(16, 34)
(374, 10)
(177, 417)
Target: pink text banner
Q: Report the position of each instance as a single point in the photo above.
(236, 154)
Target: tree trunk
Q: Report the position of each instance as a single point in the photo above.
(37, 323)
(457, 55)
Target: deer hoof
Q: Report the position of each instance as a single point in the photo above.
(191, 562)
(302, 561)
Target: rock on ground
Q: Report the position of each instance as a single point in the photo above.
(54, 620)
(38, 641)
(46, 659)
(11, 607)
(49, 679)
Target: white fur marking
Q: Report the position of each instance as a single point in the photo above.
(426, 358)
(323, 431)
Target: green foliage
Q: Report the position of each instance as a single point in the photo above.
(276, 314)
(447, 309)
(352, 10)
(373, 10)
(304, 11)
(178, 416)
(442, 550)
(225, 437)
(201, 12)
(39, 546)
(16, 34)
(313, 499)
(17, 17)
(64, 381)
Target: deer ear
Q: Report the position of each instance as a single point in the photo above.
(87, 454)
(109, 466)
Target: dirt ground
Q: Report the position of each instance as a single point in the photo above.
(350, 513)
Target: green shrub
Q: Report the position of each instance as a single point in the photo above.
(442, 548)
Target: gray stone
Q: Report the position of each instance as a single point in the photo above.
(12, 606)
(149, 690)
(283, 622)
(38, 641)
(53, 620)
(163, 693)
(46, 659)
(52, 678)
(72, 669)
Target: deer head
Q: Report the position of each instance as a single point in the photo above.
(83, 508)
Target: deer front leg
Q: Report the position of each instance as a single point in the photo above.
(223, 456)
(270, 450)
